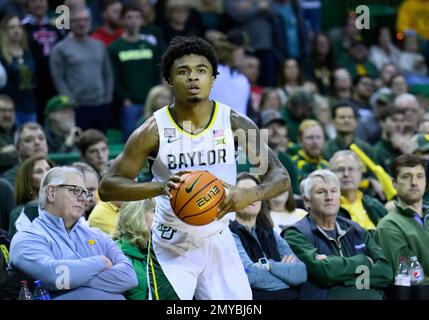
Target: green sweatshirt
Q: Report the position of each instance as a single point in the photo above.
(400, 234)
(385, 153)
(139, 260)
(135, 65)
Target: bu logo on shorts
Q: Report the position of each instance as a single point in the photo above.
(166, 232)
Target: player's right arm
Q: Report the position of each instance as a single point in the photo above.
(118, 183)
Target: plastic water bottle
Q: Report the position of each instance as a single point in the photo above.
(25, 293)
(403, 277)
(417, 274)
(40, 293)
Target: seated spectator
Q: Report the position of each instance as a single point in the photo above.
(345, 116)
(298, 108)
(398, 84)
(387, 72)
(412, 63)
(361, 208)
(60, 126)
(132, 236)
(94, 150)
(283, 211)
(92, 182)
(309, 157)
(404, 232)
(341, 85)
(356, 60)
(413, 111)
(393, 141)
(8, 154)
(362, 92)
(272, 267)
(30, 140)
(384, 51)
(369, 129)
(270, 99)
(27, 191)
(290, 77)
(58, 239)
(7, 203)
(320, 64)
(333, 247)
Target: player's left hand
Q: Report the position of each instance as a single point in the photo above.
(237, 199)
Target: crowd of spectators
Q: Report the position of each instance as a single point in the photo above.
(319, 93)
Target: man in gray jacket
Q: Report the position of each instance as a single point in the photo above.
(81, 70)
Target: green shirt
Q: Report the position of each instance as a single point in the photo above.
(136, 68)
(138, 258)
(385, 153)
(365, 68)
(335, 145)
(307, 165)
(400, 234)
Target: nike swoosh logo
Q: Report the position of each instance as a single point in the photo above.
(189, 190)
(172, 140)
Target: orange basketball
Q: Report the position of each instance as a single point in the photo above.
(198, 197)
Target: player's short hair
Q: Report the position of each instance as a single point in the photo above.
(181, 46)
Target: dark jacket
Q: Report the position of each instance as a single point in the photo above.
(336, 276)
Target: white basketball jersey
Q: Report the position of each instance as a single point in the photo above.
(212, 150)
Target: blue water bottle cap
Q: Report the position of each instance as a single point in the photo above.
(38, 283)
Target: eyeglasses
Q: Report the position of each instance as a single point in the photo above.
(77, 191)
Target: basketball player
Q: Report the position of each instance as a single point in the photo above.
(194, 133)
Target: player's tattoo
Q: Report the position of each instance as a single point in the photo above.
(275, 179)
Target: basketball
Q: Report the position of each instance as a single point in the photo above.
(198, 197)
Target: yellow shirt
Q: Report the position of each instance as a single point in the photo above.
(357, 212)
(104, 216)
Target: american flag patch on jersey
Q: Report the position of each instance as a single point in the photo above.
(218, 133)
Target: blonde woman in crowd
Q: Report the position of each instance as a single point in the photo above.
(132, 235)
(159, 96)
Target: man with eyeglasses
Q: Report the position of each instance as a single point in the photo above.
(73, 261)
(8, 154)
(361, 208)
